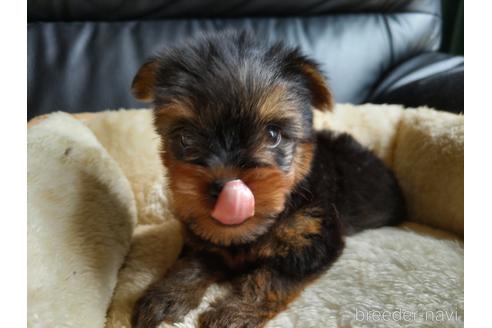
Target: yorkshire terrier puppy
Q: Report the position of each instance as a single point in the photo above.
(266, 200)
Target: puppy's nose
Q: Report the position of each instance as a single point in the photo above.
(216, 188)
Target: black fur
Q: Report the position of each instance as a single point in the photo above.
(352, 190)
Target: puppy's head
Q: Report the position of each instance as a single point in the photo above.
(236, 121)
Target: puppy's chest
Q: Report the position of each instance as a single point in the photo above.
(237, 258)
(293, 235)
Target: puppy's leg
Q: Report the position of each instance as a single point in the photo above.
(303, 247)
(172, 297)
(256, 298)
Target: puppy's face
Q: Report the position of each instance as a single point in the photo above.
(228, 110)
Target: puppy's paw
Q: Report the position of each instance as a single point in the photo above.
(157, 306)
(230, 317)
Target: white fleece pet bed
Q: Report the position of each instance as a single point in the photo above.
(99, 230)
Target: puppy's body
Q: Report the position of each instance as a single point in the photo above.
(231, 109)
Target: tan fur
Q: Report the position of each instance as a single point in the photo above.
(255, 298)
(144, 82)
(188, 181)
(277, 106)
(296, 232)
(166, 115)
(322, 97)
(302, 161)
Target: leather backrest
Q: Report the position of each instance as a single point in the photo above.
(111, 10)
(78, 65)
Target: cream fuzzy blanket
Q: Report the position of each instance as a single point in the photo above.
(99, 230)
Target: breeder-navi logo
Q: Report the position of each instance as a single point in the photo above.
(405, 315)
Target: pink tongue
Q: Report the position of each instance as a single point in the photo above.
(235, 204)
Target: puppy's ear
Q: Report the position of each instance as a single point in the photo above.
(322, 98)
(143, 85)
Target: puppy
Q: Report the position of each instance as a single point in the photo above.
(266, 200)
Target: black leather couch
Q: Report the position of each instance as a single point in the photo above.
(82, 55)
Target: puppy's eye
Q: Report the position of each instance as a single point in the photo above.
(274, 136)
(185, 141)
